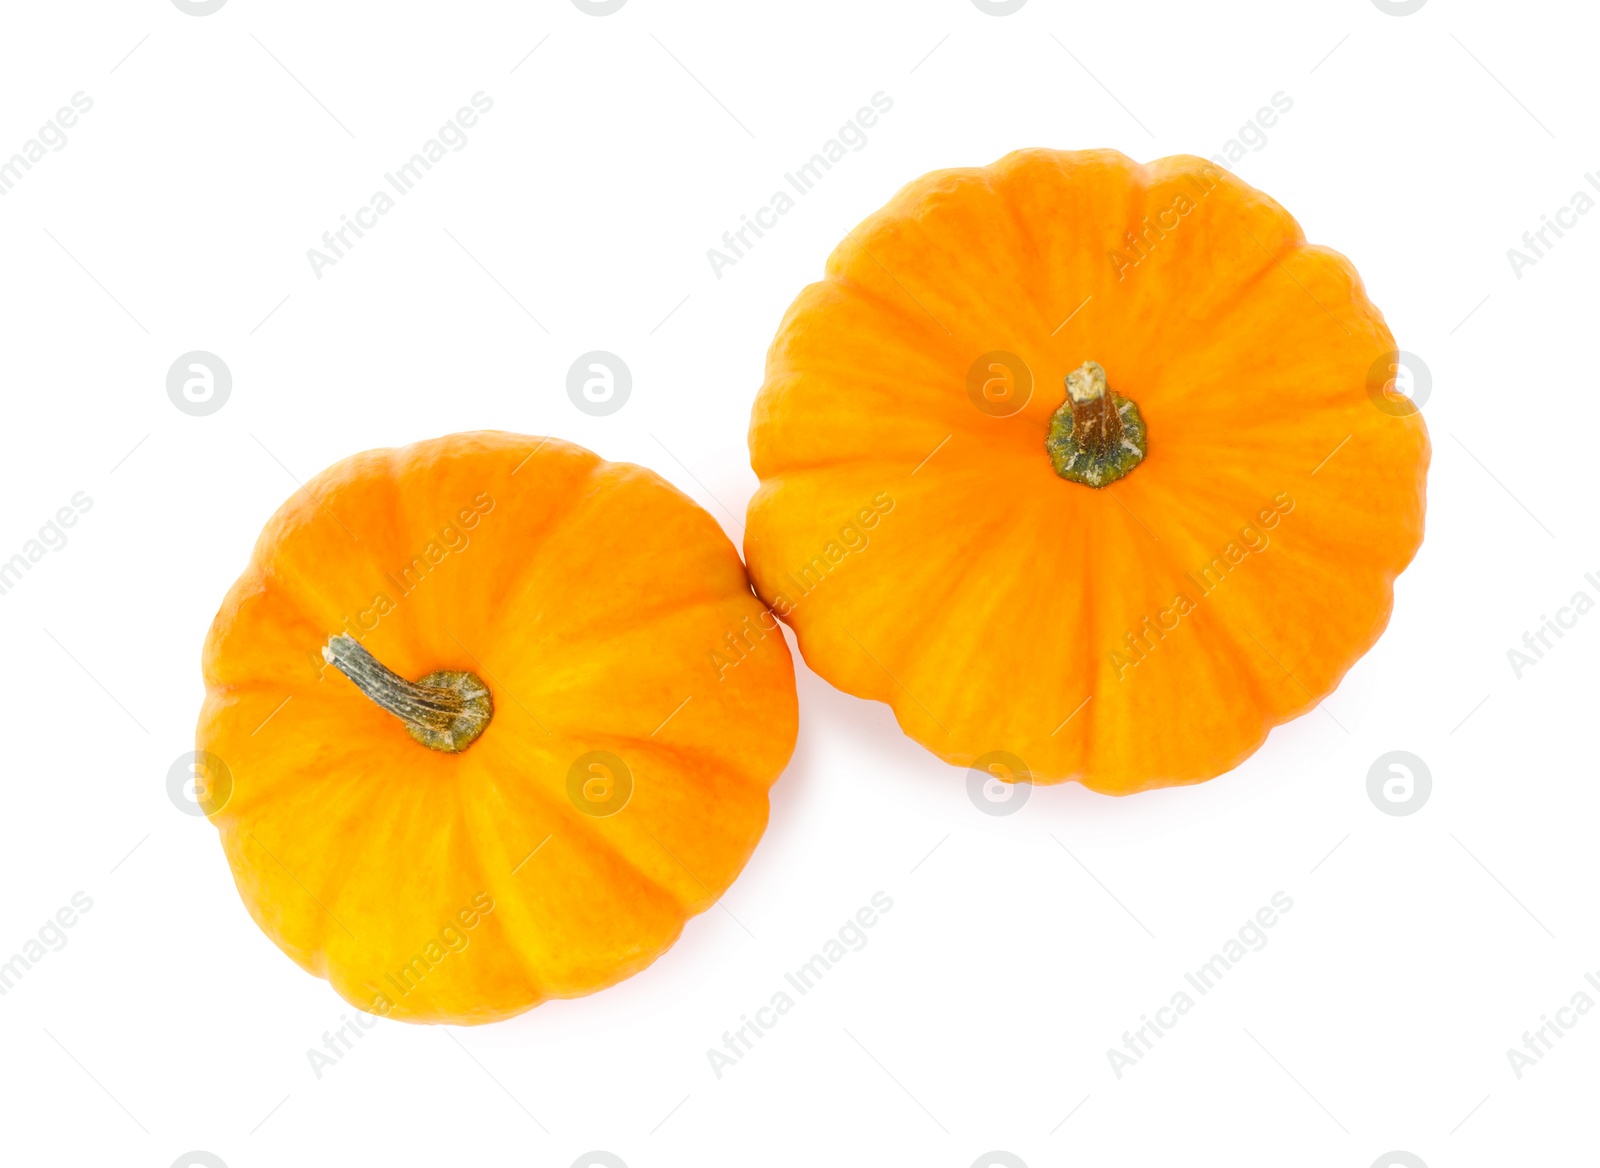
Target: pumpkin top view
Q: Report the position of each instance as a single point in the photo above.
(1091, 470)
(464, 737)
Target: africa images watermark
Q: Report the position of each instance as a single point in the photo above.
(1250, 938)
(1150, 235)
(852, 539)
(53, 134)
(199, 383)
(450, 539)
(802, 179)
(403, 180)
(1138, 245)
(851, 937)
(1564, 220)
(49, 538)
(51, 937)
(1541, 1040)
(451, 938)
(1146, 637)
(1254, 132)
(1538, 642)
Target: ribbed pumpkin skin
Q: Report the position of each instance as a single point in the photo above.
(990, 605)
(590, 597)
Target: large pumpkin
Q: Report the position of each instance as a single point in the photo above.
(466, 735)
(1090, 470)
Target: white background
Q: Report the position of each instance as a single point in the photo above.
(1021, 947)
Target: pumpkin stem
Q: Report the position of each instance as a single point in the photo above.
(446, 710)
(1097, 435)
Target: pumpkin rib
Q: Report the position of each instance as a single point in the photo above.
(329, 944)
(291, 587)
(1249, 286)
(306, 958)
(535, 992)
(576, 637)
(1303, 698)
(1022, 727)
(636, 882)
(1234, 658)
(1093, 586)
(585, 828)
(833, 457)
(1026, 236)
(500, 888)
(399, 518)
(509, 450)
(924, 648)
(1241, 292)
(1005, 173)
(403, 517)
(881, 676)
(295, 583)
(429, 1006)
(694, 754)
(732, 776)
(947, 584)
(597, 846)
(885, 302)
(264, 800)
(301, 590)
(637, 615)
(212, 652)
(1293, 240)
(583, 490)
(890, 305)
(841, 463)
(1223, 650)
(1228, 651)
(1087, 741)
(781, 365)
(319, 921)
(984, 182)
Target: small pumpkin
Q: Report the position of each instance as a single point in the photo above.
(466, 743)
(1091, 470)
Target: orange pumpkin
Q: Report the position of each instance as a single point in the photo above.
(1090, 467)
(464, 736)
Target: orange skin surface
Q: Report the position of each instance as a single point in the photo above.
(589, 596)
(996, 606)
